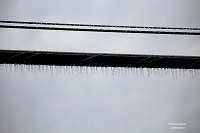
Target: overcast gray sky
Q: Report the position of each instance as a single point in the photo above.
(80, 103)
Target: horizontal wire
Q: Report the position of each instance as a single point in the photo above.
(93, 25)
(100, 30)
(51, 58)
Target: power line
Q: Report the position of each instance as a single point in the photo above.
(98, 59)
(100, 30)
(95, 25)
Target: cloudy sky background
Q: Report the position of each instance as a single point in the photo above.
(81, 103)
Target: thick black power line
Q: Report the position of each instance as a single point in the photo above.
(99, 30)
(98, 59)
(95, 25)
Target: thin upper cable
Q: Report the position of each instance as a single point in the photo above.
(102, 28)
(94, 25)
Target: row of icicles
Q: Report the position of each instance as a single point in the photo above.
(115, 71)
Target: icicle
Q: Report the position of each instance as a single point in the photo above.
(176, 74)
(137, 71)
(42, 67)
(187, 73)
(119, 72)
(195, 72)
(173, 74)
(153, 70)
(67, 69)
(141, 71)
(91, 71)
(1, 67)
(192, 73)
(148, 71)
(75, 69)
(129, 72)
(94, 70)
(133, 71)
(17, 67)
(56, 70)
(106, 71)
(180, 72)
(51, 69)
(10, 67)
(125, 72)
(39, 68)
(97, 70)
(6, 67)
(60, 69)
(113, 71)
(22, 69)
(47, 68)
(35, 68)
(161, 72)
(86, 71)
(158, 71)
(102, 70)
(64, 69)
(72, 69)
(80, 69)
